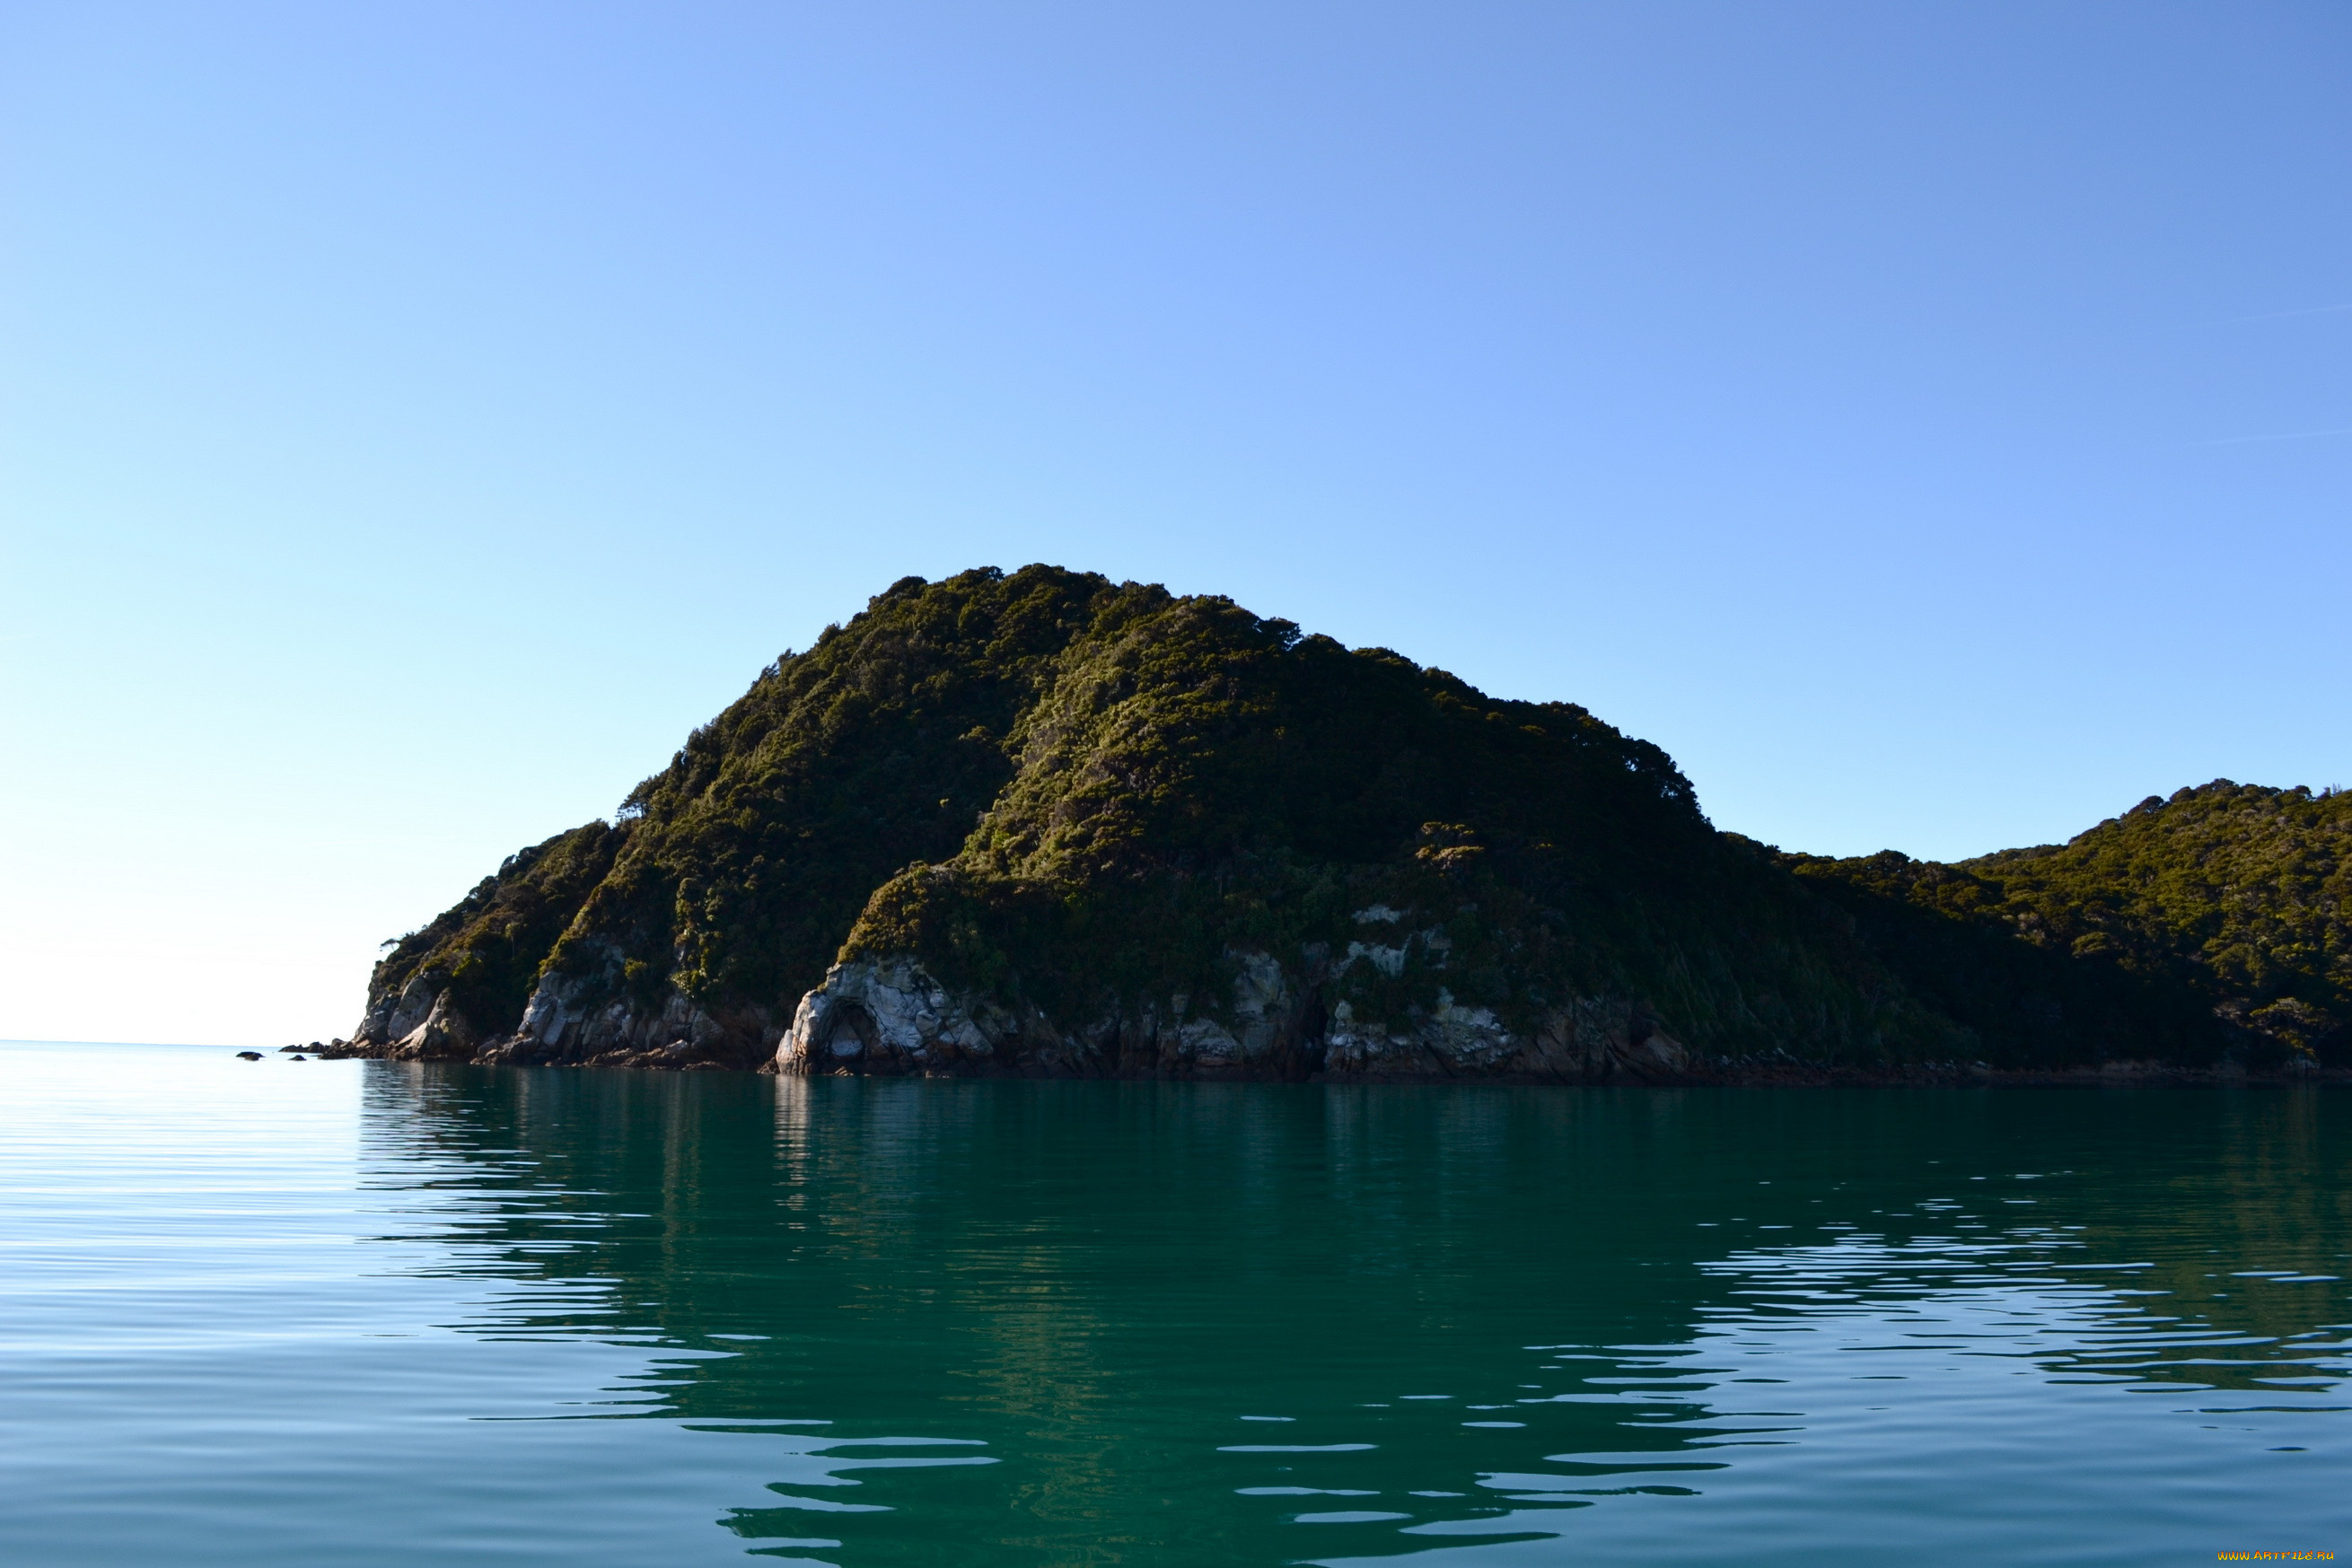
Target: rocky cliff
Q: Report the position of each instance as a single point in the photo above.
(1043, 823)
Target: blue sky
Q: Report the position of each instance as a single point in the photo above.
(1930, 423)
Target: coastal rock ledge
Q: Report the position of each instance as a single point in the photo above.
(571, 1020)
(890, 1016)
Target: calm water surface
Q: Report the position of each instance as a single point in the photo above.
(363, 1313)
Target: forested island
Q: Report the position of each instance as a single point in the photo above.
(1044, 824)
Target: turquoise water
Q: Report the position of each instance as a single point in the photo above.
(363, 1312)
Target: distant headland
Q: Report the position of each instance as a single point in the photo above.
(1045, 825)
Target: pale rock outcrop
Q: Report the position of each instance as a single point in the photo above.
(571, 1020)
(1448, 1039)
(441, 1035)
(1591, 1040)
(579, 1020)
(1263, 1005)
(395, 1016)
(892, 1016)
(888, 1015)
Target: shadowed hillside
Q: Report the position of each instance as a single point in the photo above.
(2230, 902)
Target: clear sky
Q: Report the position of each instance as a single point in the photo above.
(1930, 423)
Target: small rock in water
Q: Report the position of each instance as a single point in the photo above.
(298, 1058)
(248, 1056)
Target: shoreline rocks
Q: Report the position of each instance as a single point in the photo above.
(891, 1018)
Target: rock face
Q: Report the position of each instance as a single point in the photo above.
(567, 1022)
(890, 1016)
(441, 1035)
(571, 1020)
(421, 1022)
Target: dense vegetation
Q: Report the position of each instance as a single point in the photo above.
(2228, 903)
(1080, 795)
(491, 946)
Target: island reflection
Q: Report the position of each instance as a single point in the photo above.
(1027, 1323)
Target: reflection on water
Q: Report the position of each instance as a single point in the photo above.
(592, 1316)
(1791, 1391)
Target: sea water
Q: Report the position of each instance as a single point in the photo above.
(361, 1313)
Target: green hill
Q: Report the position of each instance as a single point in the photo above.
(2230, 902)
(1043, 822)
